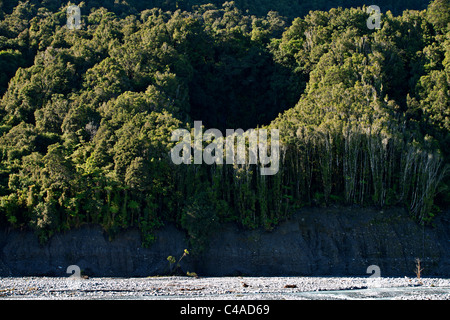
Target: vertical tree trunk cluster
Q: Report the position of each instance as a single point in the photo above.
(347, 164)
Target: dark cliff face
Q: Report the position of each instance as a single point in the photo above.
(338, 242)
(313, 242)
(90, 249)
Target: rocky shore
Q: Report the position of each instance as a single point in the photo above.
(236, 288)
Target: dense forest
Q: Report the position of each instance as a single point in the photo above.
(86, 116)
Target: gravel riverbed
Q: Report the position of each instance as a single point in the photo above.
(240, 288)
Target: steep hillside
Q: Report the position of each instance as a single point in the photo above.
(87, 116)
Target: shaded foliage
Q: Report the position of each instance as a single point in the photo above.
(87, 115)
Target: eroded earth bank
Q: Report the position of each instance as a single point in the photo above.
(313, 242)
